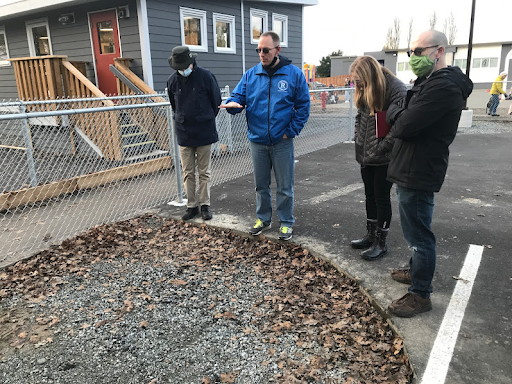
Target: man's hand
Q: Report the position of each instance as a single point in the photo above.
(231, 104)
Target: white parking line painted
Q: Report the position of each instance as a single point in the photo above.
(335, 193)
(442, 351)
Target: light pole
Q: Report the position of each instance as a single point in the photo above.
(470, 44)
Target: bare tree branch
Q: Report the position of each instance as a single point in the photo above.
(433, 20)
(396, 25)
(389, 40)
(452, 29)
(393, 36)
(409, 34)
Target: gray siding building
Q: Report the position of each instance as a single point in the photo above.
(224, 34)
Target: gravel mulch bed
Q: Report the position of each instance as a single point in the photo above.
(152, 300)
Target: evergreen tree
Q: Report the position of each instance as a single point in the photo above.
(324, 69)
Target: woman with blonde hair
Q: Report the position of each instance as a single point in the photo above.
(378, 94)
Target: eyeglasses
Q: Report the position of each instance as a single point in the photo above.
(418, 51)
(265, 50)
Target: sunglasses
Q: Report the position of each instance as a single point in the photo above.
(265, 50)
(418, 51)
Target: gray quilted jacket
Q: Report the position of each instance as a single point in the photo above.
(369, 149)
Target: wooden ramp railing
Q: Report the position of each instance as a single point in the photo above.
(54, 77)
(157, 128)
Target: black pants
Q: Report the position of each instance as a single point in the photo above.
(377, 190)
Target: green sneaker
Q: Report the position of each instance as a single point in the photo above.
(285, 233)
(259, 227)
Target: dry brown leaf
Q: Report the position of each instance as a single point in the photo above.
(128, 306)
(228, 377)
(178, 282)
(100, 323)
(143, 324)
(225, 315)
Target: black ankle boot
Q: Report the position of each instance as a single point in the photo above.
(378, 248)
(367, 241)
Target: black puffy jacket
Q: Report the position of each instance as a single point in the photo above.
(195, 100)
(426, 128)
(371, 150)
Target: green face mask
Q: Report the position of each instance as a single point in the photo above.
(420, 65)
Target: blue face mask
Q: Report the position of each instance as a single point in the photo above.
(186, 72)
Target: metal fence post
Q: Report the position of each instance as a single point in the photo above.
(28, 147)
(351, 116)
(175, 153)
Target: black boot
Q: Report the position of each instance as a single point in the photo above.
(191, 213)
(367, 241)
(378, 248)
(205, 212)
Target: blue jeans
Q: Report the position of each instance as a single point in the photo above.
(416, 209)
(494, 104)
(281, 158)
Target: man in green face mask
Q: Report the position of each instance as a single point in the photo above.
(423, 132)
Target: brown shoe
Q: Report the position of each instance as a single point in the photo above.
(402, 275)
(410, 305)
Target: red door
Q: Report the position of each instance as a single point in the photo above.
(105, 42)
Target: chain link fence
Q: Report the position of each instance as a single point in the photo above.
(68, 165)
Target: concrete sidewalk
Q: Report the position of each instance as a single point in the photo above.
(472, 208)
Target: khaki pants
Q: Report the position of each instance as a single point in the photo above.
(200, 157)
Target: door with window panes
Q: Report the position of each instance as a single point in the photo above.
(106, 46)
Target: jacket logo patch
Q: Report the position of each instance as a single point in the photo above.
(282, 86)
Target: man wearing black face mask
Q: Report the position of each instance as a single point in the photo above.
(276, 97)
(195, 96)
(423, 132)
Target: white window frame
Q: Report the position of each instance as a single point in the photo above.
(462, 67)
(284, 20)
(37, 23)
(5, 63)
(258, 13)
(224, 19)
(201, 15)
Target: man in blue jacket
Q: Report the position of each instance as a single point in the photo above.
(195, 97)
(275, 95)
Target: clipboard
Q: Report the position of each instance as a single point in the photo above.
(382, 128)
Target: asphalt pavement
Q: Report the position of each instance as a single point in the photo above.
(473, 207)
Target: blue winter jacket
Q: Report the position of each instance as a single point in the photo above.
(276, 105)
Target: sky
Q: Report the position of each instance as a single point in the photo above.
(361, 26)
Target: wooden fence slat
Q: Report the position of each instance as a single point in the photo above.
(44, 79)
(14, 199)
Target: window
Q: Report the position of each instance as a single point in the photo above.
(4, 50)
(193, 29)
(404, 66)
(280, 26)
(485, 62)
(259, 24)
(106, 37)
(224, 33)
(461, 63)
(39, 41)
